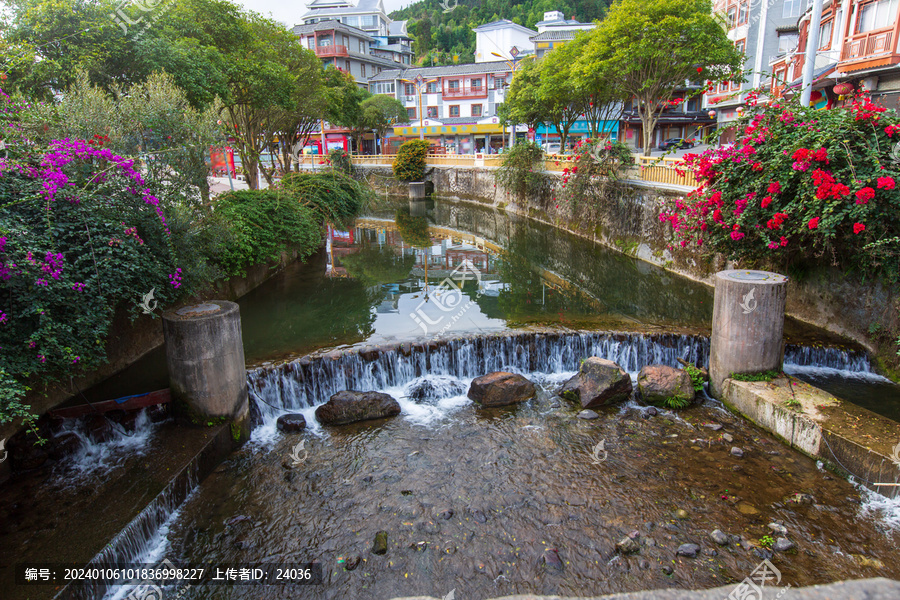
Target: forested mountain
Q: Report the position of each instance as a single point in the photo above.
(442, 33)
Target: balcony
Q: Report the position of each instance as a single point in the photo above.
(870, 49)
(465, 92)
(334, 50)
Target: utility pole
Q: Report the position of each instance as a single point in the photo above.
(812, 46)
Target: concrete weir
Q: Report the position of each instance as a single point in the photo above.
(851, 439)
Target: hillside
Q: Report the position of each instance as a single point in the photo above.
(442, 34)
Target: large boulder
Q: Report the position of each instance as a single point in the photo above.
(657, 384)
(500, 389)
(291, 423)
(349, 407)
(599, 382)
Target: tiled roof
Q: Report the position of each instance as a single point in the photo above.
(329, 25)
(446, 71)
(551, 35)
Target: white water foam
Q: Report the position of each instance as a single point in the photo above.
(881, 509)
(94, 458)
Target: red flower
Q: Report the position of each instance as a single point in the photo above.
(699, 69)
(886, 183)
(717, 216)
(766, 201)
(821, 155)
(775, 187)
(864, 195)
(776, 221)
(783, 241)
(813, 223)
(801, 154)
(858, 228)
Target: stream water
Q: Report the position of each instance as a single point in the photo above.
(484, 501)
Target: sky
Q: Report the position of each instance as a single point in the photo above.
(289, 12)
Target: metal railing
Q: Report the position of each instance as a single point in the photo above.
(649, 169)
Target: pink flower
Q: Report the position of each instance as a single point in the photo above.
(814, 222)
(737, 236)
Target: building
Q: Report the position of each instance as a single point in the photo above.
(685, 118)
(386, 39)
(501, 40)
(554, 31)
(457, 106)
(857, 45)
(763, 31)
(368, 15)
(349, 49)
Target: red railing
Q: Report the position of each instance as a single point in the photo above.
(335, 50)
(871, 44)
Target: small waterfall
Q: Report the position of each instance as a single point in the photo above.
(144, 539)
(310, 381)
(820, 357)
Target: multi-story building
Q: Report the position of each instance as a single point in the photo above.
(858, 44)
(502, 39)
(368, 15)
(386, 39)
(349, 49)
(457, 106)
(763, 31)
(554, 31)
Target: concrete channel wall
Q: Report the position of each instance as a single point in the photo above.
(628, 221)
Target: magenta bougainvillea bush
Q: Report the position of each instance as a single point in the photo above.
(799, 184)
(81, 235)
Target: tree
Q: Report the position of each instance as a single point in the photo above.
(654, 47)
(523, 104)
(380, 113)
(343, 103)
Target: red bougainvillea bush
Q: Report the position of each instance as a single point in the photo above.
(800, 184)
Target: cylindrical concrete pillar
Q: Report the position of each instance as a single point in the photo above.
(747, 325)
(205, 356)
(417, 190)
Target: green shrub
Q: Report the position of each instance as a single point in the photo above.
(696, 375)
(333, 196)
(522, 171)
(410, 162)
(263, 224)
(761, 376)
(413, 230)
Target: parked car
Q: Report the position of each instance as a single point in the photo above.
(676, 143)
(551, 148)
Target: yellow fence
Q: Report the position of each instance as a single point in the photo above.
(651, 170)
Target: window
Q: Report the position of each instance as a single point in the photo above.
(411, 112)
(476, 84)
(432, 87)
(454, 110)
(788, 42)
(731, 16)
(347, 65)
(743, 13)
(792, 8)
(876, 15)
(499, 82)
(432, 112)
(453, 84)
(409, 89)
(362, 46)
(741, 46)
(825, 35)
(368, 22)
(362, 70)
(346, 41)
(476, 110)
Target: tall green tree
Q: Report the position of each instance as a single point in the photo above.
(654, 47)
(380, 113)
(343, 104)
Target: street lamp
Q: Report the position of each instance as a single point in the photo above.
(513, 63)
(420, 81)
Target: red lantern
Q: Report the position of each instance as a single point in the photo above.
(815, 96)
(712, 114)
(842, 89)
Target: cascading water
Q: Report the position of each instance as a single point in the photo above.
(303, 384)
